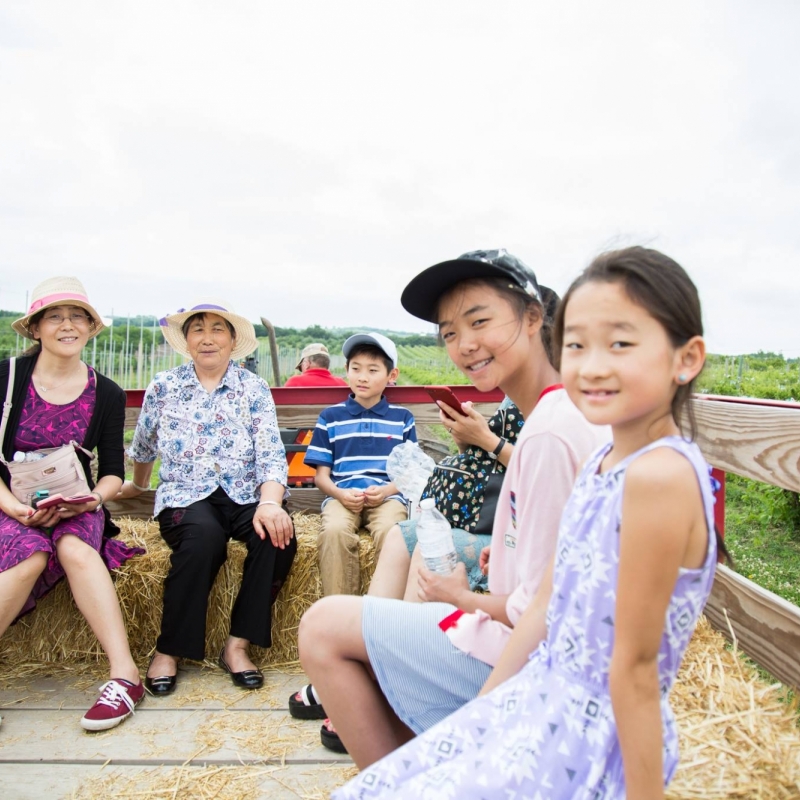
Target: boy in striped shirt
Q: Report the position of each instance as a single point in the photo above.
(349, 448)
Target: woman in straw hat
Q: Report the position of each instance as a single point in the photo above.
(223, 475)
(56, 398)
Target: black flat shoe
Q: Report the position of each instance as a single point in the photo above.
(247, 679)
(162, 686)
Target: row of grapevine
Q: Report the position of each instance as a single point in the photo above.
(762, 375)
(426, 365)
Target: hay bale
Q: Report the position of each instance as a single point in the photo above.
(738, 735)
(56, 632)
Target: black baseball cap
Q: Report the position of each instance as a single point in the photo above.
(421, 296)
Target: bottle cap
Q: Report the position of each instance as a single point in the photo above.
(19, 456)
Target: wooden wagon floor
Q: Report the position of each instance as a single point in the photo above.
(209, 739)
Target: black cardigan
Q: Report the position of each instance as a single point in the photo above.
(104, 433)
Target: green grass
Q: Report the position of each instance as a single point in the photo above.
(127, 439)
(762, 522)
(428, 366)
(762, 533)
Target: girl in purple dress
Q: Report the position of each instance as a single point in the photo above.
(577, 705)
(55, 399)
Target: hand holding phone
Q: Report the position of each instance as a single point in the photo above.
(59, 499)
(444, 394)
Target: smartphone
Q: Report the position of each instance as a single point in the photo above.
(59, 499)
(444, 394)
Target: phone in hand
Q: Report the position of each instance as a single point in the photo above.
(444, 394)
(59, 499)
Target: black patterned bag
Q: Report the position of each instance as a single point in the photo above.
(466, 486)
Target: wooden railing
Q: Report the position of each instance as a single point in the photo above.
(300, 408)
(752, 438)
(759, 440)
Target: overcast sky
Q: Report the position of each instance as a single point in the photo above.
(304, 160)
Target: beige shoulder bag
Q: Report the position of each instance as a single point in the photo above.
(55, 469)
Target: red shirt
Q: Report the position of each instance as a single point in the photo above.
(315, 377)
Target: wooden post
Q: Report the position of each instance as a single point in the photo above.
(273, 350)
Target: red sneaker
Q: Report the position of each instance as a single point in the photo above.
(117, 700)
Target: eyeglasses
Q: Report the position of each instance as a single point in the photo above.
(76, 318)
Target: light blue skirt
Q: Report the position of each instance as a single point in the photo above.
(422, 675)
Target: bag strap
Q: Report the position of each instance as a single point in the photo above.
(82, 449)
(12, 366)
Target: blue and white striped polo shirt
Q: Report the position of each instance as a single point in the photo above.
(355, 442)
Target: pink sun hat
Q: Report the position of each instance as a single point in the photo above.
(60, 291)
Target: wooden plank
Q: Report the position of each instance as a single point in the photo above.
(170, 737)
(308, 500)
(766, 626)
(131, 415)
(305, 416)
(286, 781)
(141, 507)
(758, 442)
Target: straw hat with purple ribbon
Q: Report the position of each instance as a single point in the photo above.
(172, 325)
(60, 291)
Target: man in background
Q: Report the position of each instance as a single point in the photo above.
(314, 368)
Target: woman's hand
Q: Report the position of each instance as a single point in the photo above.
(483, 561)
(469, 428)
(32, 518)
(67, 510)
(272, 520)
(443, 588)
(128, 491)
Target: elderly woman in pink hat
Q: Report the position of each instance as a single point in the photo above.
(223, 475)
(53, 398)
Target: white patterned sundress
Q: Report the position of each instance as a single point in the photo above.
(548, 733)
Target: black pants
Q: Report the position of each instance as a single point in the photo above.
(198, 536)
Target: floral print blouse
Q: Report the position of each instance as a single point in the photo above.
(228, 437)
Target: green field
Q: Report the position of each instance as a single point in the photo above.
(762, 523)
(764, 375)
(426, 366)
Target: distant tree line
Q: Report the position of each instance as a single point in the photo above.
(334, 338)
(146, 328)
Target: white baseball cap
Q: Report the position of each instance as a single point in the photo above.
(377, 340)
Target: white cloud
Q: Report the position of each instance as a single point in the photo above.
(309, 158)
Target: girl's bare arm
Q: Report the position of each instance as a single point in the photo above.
(529, 631)
(661, 512)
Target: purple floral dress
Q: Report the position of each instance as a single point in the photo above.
(549, 731)
(43, 424)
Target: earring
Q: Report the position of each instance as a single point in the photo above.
(681, 378)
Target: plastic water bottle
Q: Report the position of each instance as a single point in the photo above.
(435, 539)
(33, 455)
